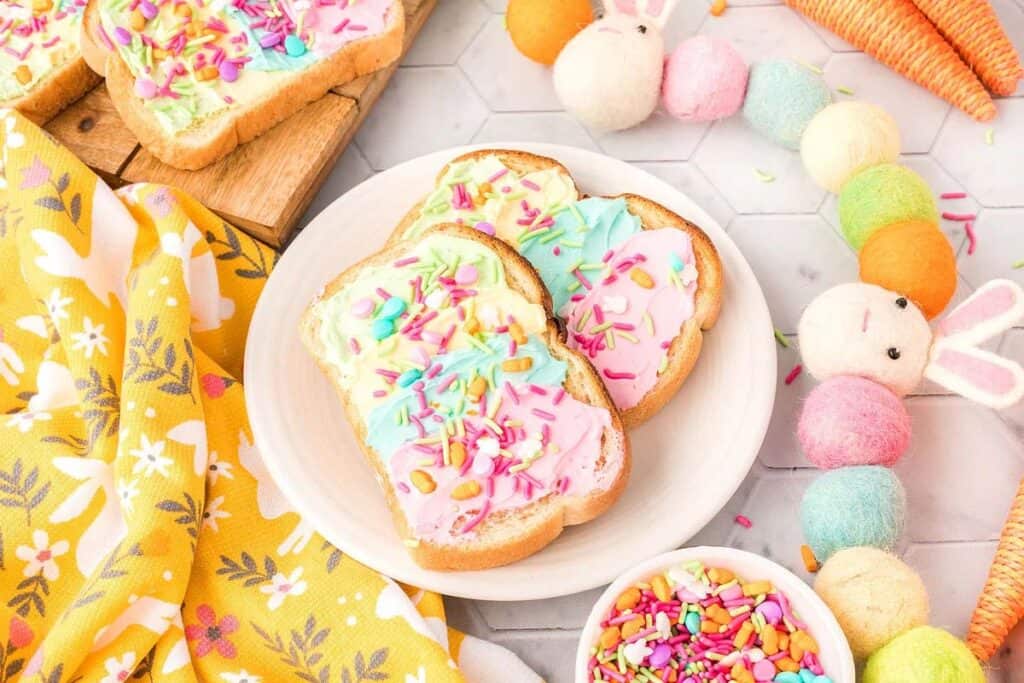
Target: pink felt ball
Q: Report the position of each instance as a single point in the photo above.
(853, 421)
(705, 80)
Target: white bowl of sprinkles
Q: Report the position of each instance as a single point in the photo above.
(704, 611)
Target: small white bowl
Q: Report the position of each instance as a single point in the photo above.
(835, 655)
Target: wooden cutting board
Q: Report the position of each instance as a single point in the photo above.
(264, 186)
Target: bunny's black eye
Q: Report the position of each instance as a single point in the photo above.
(901, 302)
(641, 28)
(893, 352)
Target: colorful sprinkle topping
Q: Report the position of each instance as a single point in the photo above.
(458, 393)
(36, 36)
(695, 623)
(193, 58)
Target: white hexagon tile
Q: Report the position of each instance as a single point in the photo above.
(464, 82)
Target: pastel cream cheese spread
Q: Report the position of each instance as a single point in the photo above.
(36, 37)
(447, 368)
(192, 58)
(624, 292)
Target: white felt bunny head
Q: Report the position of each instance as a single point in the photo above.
(865, 330)
(609, 74)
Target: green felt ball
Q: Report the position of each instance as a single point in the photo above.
(853, 506)
(924, 655)
(882, 195)
(782, 98)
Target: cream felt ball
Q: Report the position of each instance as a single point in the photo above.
(850, 420)
(846, 137)
(864, 330)
(882, 195)
(705, 80)
(853, 506)
(782, 98)
(924, 655)
(609, 75)
(874, 596)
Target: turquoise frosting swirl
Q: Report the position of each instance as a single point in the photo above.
(386, 430)
(606, 223)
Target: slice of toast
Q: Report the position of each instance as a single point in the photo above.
(42, 70)
(538, 448)
(547, 227)
(207, 112)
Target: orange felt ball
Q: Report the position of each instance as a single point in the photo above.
(912, 258)
(540, 28)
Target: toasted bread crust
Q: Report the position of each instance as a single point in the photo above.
(214, 139)
(682, 355)
(54, 93)
(511, 535)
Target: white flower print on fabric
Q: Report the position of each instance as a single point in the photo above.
(26, 418)
(242, 676)
(56, 305)
(119, 669)
(216, 468)
(90, 339)
(282, 587)
(150, 458)
(11, 364)
(15, 140)
(40, 559)
(127, 491)
(213, 512)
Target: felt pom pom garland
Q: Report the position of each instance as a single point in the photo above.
(869, 343)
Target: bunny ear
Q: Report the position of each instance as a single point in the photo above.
(658, 11)
(978, 375)
(621, 7)
(994, 308)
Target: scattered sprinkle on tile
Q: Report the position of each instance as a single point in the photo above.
(990, 136)
(764, 176)
(781, 338)
(718, 7)
(810, 561)
(846, 91)
(794, 373)
(816, 69)
(744, 521)
(972, 238)
(1018, 264)
(953, 195)
(962, 217)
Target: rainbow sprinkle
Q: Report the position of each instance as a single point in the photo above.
(694, 623)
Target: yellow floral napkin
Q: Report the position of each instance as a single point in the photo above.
(140, 535)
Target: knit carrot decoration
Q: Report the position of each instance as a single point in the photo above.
(897, 34)
(972, 27)
(1001, 604)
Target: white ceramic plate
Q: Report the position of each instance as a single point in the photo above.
(687, 461)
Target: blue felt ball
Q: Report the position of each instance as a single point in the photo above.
(782, 98)
(853, 506)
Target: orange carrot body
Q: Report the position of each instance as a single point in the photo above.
(897, 34)
(972, 27)
(1001, 603)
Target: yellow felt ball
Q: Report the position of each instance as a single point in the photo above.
(844, 138)
(924, 655)
(915, 259)
(873, 595)
(540, 28)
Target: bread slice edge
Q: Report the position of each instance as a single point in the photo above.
(541, 521)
